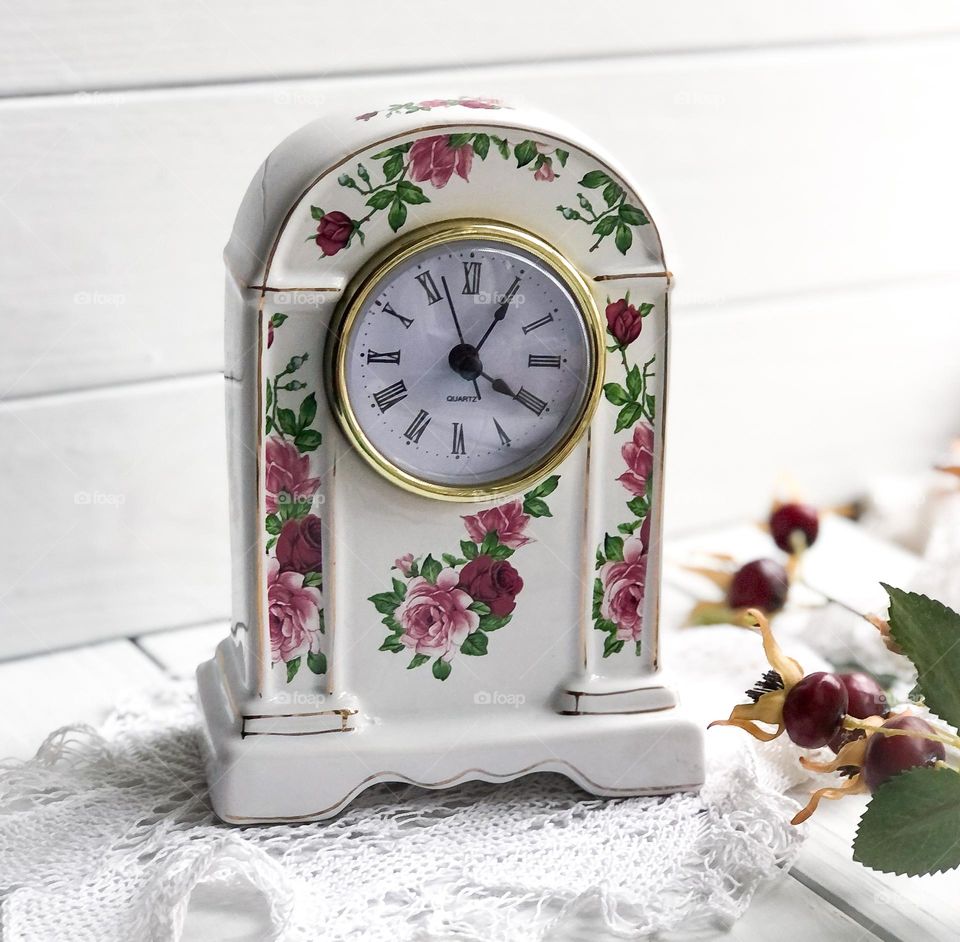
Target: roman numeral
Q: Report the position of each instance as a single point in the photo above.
(471, 278)
(430, 286)
(504, 438)
(391, 395)
(532, 402)
(458, 446)
(418, 426)
(406, 321)
(543, 320)
(392, 357)
(536, 359)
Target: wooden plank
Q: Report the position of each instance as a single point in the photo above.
(116, 206)
(115, 503)
(49, 47)
(80, 685)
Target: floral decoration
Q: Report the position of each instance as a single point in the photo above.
(394, 184)
(412, 107)
(294, 544)
(618, 590)
(439, 607)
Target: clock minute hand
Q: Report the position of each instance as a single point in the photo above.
(501, 312)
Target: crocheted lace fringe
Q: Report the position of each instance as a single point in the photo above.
(112, 832)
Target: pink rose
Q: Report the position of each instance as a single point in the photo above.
(545, 171)
(508, 521)
(638, 455)
(624, 321)
(433, 103)
(366, 116)
(287, 473)
(300, 545)
(404, 563)
(479, 103)
(435, 618)
(294, 613)
(492, 581)
(334, 232)
(433, 159)
(623, 584)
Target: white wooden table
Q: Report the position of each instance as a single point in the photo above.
(825, 896)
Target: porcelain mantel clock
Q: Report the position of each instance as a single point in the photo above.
(446, 357)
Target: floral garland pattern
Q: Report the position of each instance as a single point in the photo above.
(443, 606)
(618, 590)
(294, 543)
(412, 107)
(434, 160)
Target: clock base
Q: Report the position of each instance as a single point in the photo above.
(262, 778)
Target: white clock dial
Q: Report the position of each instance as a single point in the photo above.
(468, 363)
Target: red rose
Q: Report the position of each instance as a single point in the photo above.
(433, 159)
(623, 321)
(492, 581)
(300, 545)
(334, 231)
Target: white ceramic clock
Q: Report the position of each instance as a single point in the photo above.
(446, 356)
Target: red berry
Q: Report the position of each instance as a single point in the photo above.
(814, 709)
(865, 697)
(887, 756)
(761, 584)
(790, 519)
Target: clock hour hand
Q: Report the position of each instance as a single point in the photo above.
(499, 385)
(501, 312)
(456, 323)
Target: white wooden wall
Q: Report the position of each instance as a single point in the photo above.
(801, 160)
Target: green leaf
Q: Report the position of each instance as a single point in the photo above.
(293, 666)
(307, 440)
(385, 602)
(277, 319)
(317, 213)
(605, 226)
(502, 146)
(493, 622)
(629, 528)
(633, 216)
(525, 151)
(595, 179)
(430, 569)
(613, 547)
(481, 145)
(287, 420)
(273, 525)
(634, 381)
(611, 645)
(616, 394)
(545, 488)
(481, 608)
(650, 403)
(458, 140)
(639, 506)
(441, 669)
(269, 401)
(397, 215)
(536, 507)
(314, 580)
(308, 411)
(503, 552)
(391, 644)
(450, 560)
(611, 193)
(628, 416)
(490, 542)
(270, 543)
(411, 193)
(929, 634)
(317, 662)
(624, 238)
(561, 156)
(399, 588)
(393, 166)
(597, 597)
(468, 548)
(389, 152)
(417, 660)
(381, 199)
(474, 644)
(912, 824)
(392, 624)
(639, 649)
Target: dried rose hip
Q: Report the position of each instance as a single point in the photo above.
(791, 522)
(814, 709)
(761, 584)
(887, 756)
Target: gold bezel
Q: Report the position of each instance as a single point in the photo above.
(355, 299)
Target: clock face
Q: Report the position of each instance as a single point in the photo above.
(470, 362)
